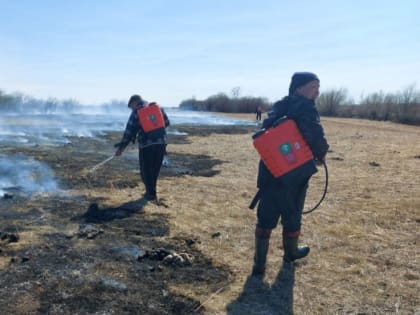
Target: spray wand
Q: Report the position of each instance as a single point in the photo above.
(93, 169)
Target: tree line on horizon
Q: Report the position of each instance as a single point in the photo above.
(401, 107)
(225, 104)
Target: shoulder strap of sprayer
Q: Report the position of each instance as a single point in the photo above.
(269, 122)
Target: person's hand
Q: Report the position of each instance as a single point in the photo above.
(119, 152)
(320, 162)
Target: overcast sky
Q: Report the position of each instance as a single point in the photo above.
(97, 50)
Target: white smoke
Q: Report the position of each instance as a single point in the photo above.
(26, 121)
(55, 129)
(19, 173)
(178, 117)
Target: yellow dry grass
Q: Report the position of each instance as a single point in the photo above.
(364, 238)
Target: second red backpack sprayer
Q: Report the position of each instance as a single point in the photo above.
(151, 118)
(283, 150)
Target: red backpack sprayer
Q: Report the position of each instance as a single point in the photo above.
(283, 149)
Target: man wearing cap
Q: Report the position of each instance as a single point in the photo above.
(152, 145)
(286, 201)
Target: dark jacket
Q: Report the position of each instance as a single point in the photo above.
(305, 114)
(133, 129)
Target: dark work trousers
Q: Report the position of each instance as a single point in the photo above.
(150, 160)
(282, 201)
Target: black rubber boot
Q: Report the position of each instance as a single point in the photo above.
(260, 257)
(291, 249)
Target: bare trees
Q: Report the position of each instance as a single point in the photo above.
(222, 103)
(403, 107)
(329, 101)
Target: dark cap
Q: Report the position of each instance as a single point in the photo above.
(135, 98)
(300, 79)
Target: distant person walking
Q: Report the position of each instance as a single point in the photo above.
(147, 122)
(258, 111)
(287, 200)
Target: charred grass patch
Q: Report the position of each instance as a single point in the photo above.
(55, 269)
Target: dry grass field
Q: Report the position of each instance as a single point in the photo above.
(364, 237)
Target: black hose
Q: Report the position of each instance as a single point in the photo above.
(325, 190)
(256, 198)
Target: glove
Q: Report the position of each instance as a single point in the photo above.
(119, 152)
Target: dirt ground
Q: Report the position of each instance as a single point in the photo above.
(96, 247)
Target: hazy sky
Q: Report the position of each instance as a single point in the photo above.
(167, 51)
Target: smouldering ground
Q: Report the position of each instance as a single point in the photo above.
(364, 238)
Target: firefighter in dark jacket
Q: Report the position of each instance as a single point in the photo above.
(286, 200)
(152, 143)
